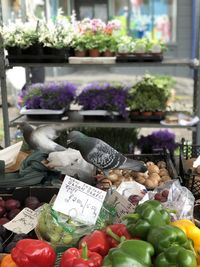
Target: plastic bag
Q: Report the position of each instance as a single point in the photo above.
(59, 229)
(178, 198)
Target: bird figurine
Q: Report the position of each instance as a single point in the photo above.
(102, 155)
(41, 138)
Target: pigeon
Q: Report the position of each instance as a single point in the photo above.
(102, 155)
(41, 138)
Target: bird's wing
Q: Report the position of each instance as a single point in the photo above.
(44, 143)
(51, 131)
(104, 156)
(135, 165)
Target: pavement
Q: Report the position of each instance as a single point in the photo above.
(183, 98)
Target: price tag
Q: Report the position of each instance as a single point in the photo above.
(24, 222)
(79, 200)
(121, 205)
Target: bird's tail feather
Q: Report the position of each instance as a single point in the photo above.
(135, 165)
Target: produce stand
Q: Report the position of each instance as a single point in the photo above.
(145, 225)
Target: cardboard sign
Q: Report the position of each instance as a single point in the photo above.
(79, 200)
(121, 204)
(24, 222)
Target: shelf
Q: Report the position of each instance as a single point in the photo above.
(75, 121)
(166, 62)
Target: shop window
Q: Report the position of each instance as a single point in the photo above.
(155, 19)
(91, 9)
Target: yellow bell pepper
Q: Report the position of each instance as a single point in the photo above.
(192, 232)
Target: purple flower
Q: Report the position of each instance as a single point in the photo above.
(157, 139)
(52, 95)
(104, 96)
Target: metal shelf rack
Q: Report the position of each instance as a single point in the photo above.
(194, 64)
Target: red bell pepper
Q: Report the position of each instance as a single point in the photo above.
(74, 257)
(33, 253)
(116, 234)
(97, 241)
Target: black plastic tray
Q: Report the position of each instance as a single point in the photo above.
(156, 157)
(139, 58)
(190, 178)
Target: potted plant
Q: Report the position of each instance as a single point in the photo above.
(124, 45)
(51, 96)
(79, 45)
(157, 140)
(56, 37)
(19, 37)
(104, 96)
(150, 94)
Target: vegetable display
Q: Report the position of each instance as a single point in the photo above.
(74, 257)
(135, 253)
(33, 253)
(147, 215)
(176, 256)
(192, 232)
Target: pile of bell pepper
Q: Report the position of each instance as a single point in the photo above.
(147, 238)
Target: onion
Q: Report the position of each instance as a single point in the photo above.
(13, 213)
(2, 211)
(2, 202)
(32, 202)
(3, 221)
(12, 204)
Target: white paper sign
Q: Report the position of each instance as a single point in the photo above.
(79, 200)
(121, 205)
(24, 222)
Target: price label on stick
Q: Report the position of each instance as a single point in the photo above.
(79, 200)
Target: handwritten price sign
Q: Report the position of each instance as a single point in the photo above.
(79, 200)
(24, 222)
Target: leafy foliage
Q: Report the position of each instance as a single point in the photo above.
(151, 93)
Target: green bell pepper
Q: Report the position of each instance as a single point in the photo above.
(164, 237)
(135, 253)
(176, 256)
(148, 214)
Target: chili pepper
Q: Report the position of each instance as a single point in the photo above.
(7, 261)
(176, 256)
(33, 253)
(117, 233)
(192, 232)
(148, 214)
(166, 236)
(97, 241)
(135, 253)
(74, 257)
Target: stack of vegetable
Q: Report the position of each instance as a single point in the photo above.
(147, 238)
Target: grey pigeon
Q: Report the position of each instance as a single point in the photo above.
(41, 138)
(102, 155)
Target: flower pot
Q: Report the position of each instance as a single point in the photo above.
(80, 53)
(147, 113)
(94, 52)
(108, 53)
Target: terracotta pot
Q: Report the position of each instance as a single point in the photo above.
(108, 53)
(80, 53)
(147, 113)
(94, 52)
